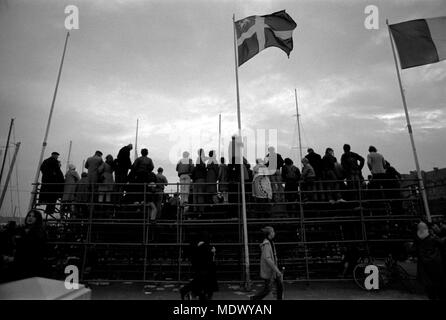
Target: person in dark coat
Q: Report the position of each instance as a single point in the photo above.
(204, 282)
(30, 247)
(291, 176)
(52, 183)
(330, 177)
(316, 162)
(352, 164)
(430, 269)
(199, 173)
(123, 164)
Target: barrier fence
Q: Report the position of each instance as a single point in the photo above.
(136, 232)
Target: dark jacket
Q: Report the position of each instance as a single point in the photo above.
(123, 161)
(316, 162)
(349, 162)
(51, 174)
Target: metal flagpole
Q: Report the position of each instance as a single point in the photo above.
(69, 155)
(36, 179)
(136, 139)
(6, 149)
(298, 126)
(11, 168)
(219, 136)
(242, 173)
(409, 129)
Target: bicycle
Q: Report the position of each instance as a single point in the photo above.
(389, 273)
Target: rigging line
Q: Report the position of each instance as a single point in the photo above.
(17, 174)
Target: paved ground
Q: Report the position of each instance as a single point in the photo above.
(293, 291)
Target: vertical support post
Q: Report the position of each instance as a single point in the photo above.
(298, 127)
(219, 136)
(302, 230)
(242, 174)
(409, 129)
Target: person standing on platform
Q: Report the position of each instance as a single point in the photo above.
(291, 176)
(142, 171)
(184, 169)
(352, 164)
(211, 177)
(199, 178)
(274, 162)
(106, 185)
(52, 182)
(269, 270)
(161, 184)
(222, 178)
(71, 178)
(316, 162)
(376, 165)
(123, 164)
(93, 165)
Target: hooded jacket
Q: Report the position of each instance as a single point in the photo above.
(268, 260)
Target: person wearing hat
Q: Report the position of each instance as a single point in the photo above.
(269, 271)
(93, 164)
(52, 182)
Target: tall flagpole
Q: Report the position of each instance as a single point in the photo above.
(242, 173)
(69, 155)
(219, 136)
(409, 129)
(136, 139)
(298, 126)
(36, 179)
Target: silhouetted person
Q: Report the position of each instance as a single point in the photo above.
(199, 179)
(274, 163)
(352, 164)
(308, 178)
(430, 269)
(212, 169)
(376, 165)
(52, 182)
(123, 164)
(223, 173)
(30, 247)
(291, 176)
(141, 173)
(204, 282)
(184, 169)
(93, 165)
(330, 177)
(316, 162)
(161, 183)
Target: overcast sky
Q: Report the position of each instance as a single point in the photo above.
(170, 64)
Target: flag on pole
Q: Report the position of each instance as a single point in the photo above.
(420, 42)
(256, 33)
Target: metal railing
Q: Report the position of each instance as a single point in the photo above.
(122, 240)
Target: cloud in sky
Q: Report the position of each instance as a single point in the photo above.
(170, 64)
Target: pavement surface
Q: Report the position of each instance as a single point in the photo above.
(293, 291)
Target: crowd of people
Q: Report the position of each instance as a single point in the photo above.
(106, 181)
(209, 180)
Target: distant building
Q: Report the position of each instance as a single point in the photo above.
(435, 184)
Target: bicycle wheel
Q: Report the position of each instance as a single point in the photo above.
(359, 275)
